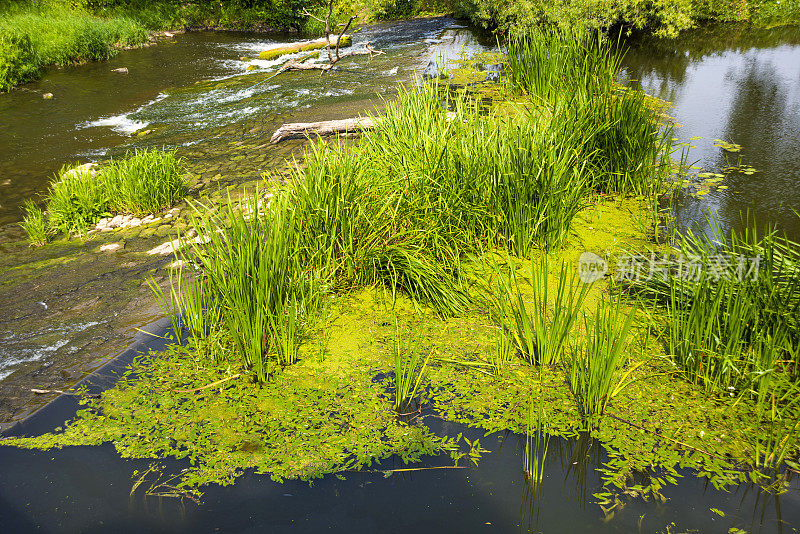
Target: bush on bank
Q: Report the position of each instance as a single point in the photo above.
(663, 17)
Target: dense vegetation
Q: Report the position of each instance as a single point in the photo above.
(143, 182)
(438, 207)
(663, 17)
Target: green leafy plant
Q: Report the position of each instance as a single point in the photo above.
(144, 181)
(35, 224)
(409, 370)
(541, 334)
(594, 377)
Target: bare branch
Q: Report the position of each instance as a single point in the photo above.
(306, 13)
(328, 30)
(339, 39)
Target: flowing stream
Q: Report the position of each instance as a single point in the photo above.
(195, 94)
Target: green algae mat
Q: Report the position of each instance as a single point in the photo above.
(333, 411)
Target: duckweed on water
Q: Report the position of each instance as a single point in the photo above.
(333, 410)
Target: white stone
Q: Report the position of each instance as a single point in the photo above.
(176, 244)
(82, 169)
(110, 247)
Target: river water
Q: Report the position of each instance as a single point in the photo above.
(740, 85)
(195, 94)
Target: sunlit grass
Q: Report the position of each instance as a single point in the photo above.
(595, 375)
(142, 182)
(541, 330)
(35, 224)
(36, 34)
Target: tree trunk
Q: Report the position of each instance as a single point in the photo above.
(299, 130)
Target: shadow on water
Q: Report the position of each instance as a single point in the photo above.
(88, 489)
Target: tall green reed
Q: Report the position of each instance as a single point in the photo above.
(594, 377)
(625, 142)
(409, 369)
(541, 331)
(776, 420)
(144, 181)
(738, 315)
(550, 63)
(261, 288)
(537, 441)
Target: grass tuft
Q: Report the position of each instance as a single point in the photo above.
(35, 224)
(593, 376)
(144, 181)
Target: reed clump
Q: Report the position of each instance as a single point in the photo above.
(594, 371)
(730, 323)
(626, 142)
(541, 331)
(144, 181)
(731, 304)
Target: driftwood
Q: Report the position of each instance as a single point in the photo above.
(300, 64)
(299, 130)
(60, 392)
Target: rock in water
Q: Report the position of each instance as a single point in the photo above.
(121, 70)
(47, 96)
(110, 247)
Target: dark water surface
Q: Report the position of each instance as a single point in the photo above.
(195, 95)
(88, 489)
(740, 85)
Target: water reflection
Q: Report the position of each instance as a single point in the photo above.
(740, 85)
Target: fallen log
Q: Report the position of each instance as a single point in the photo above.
(299, 130)
(306, 46)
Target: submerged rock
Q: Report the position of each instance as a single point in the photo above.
(110, 247)
(47, 96)
(90, 168)
(121, 70)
